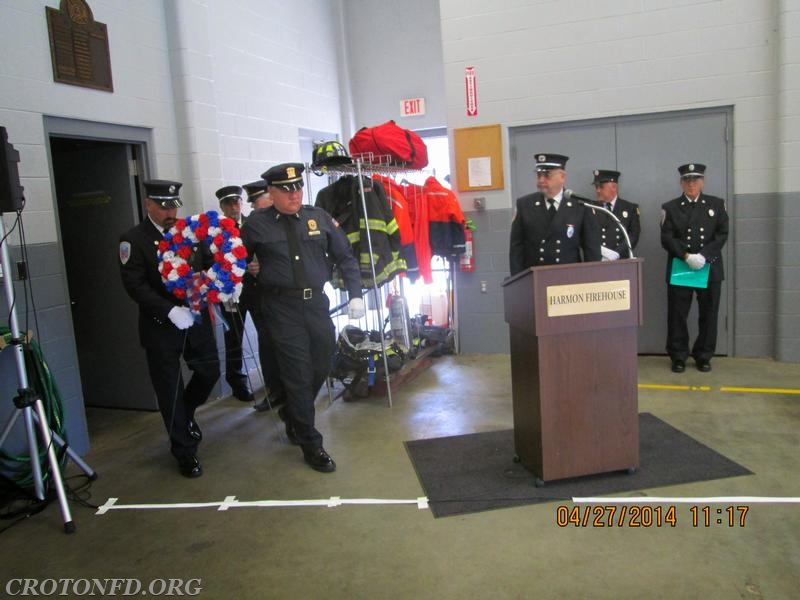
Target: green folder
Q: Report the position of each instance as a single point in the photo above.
(683, 275)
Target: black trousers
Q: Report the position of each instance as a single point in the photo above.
(679, 302)
(270, 369)
(176, 402)
(302, 334)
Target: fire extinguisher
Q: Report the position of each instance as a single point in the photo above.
(467, 260)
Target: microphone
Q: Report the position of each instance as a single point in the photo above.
(569, 194)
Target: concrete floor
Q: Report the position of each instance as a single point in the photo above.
(399, 551)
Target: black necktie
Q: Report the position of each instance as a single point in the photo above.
(551, 209)
(608, 205)
(298, 269)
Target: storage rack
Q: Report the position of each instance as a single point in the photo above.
(361, 165)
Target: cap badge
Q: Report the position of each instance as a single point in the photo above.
(541, 158)
(596, 172)
(691, 167)
(172, 189)
(290, 173)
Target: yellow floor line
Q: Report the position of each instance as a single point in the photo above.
(760, 390)
(706, 388)
(687, 388)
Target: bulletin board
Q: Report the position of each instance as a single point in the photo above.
(479, 158)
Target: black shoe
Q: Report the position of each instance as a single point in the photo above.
(678, 366)
(270, 402)
(319, 460)
(290, 432)
(243, 394)
(703, 366)
(190, 467)
(194, 431)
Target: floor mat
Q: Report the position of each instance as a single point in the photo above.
(475, 472)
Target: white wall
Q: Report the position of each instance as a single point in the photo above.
(275, 70)
(224, 85)
(558, 61)
(394, 52)
(142, 92)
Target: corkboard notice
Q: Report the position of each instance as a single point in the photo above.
(479, 158)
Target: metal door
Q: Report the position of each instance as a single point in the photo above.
(647, 150)
(96, 203)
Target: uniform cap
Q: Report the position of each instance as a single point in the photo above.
(254, 189)
(163, 192)
(229, 193)
(605, 175)
(692, 170)
(286, 176)
(546, 162)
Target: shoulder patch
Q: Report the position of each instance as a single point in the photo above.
(124, 252)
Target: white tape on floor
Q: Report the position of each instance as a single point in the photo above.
(682, 500)
(231, 502)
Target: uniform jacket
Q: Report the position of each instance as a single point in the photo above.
(610, 235)
(323, 245)
(695, 228)
(142, 281)
(342, 200)
(572, 236)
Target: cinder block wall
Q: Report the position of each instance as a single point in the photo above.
(223, 86)
(578, 59)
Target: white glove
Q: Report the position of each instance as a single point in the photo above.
(355, 309)
(608, 253)
(181, 317)
(695, 261)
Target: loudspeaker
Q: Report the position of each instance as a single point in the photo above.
(11, 198)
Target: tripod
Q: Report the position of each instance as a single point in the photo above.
(31, 406)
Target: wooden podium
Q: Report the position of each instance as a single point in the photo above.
(574, 367)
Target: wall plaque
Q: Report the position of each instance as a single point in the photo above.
(79, 46)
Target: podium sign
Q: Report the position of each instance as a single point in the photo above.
(573, 331)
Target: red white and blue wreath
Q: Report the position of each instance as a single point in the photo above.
(221, 282)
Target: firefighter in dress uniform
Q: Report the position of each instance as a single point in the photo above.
(167, 328)
(547, 228)
(694, 229)
(230, 203)
(606, 187)
(296, 246)
(258, 197)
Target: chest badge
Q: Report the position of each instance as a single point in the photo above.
(710, 212)
(313, 228)
(624, 214)
(570, 231)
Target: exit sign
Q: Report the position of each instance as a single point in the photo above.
(412, 107)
